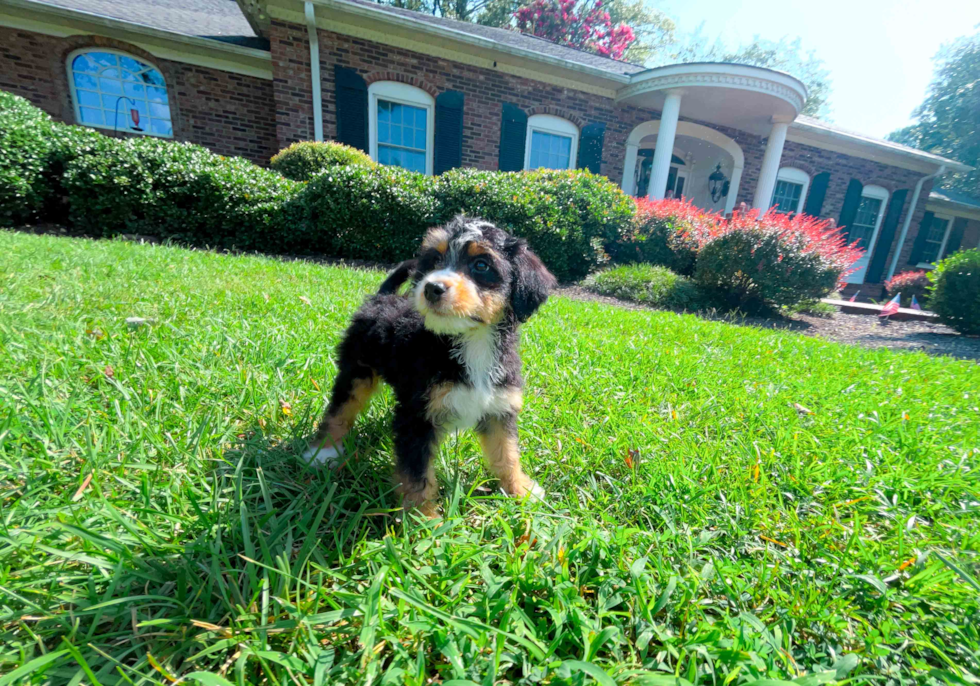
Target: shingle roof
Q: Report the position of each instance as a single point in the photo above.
(955, 197)
(218, 19)
(510, 38)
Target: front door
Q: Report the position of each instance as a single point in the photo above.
(864, 230)
(676, 179)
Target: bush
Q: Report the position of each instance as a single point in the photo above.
(301, 161)
(665, 232)
(756, 264)
(648, 284)
(568, 217)
(178, 191)
(955, 295)
(908, 284)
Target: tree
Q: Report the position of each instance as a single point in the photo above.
(783, 55)
(587, 26)
(949, 118)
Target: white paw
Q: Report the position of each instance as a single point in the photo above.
(328, 456)
(536, 492)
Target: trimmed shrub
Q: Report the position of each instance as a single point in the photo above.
(33, 153)
(908, 284)
(178, 191)
(373, 213)
(955, 293)
(302, 161)
(568, 217)
(648, 284)
(665, 232)
(775, 260)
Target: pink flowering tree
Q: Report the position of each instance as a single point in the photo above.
(584, 25)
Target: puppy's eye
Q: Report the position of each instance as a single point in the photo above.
(481, 266)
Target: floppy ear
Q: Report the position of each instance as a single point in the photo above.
(531, 281)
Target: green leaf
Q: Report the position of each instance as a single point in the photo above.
(209, 679)
(597, 674)
(32, 667)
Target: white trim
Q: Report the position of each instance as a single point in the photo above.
(314, 38)
(797, 176)
(548, 123)
(878, 193)
(51, 20)
(942, 246)
(684, 128)
(76, 106)
(402, 93)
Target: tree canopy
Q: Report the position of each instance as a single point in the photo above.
(948, 120)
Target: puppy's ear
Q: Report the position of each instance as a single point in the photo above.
(531, 281)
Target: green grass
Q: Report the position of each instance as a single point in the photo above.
(726, 504)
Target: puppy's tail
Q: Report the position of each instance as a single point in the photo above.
(399, 276)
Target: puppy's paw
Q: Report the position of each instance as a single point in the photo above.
(535, 492)
(327, 456)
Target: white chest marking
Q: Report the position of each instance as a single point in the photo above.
(467, 403)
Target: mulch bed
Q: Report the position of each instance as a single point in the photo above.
(855, 329)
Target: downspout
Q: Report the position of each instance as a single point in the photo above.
(908, 219)
(315, 71)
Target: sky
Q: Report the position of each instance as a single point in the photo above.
(879, 52)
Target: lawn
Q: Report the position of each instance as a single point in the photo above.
(726, 504)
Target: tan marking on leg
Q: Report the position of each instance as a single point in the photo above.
(335, 426)
(420, 494)
(438, 239)
(436, 404)
(504, 459)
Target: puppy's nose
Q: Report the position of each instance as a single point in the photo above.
(433, 291)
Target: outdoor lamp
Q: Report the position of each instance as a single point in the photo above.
(718, 184)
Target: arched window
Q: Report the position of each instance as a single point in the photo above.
(113, 90)
(401, 125)
(790, 191)
(552, 143)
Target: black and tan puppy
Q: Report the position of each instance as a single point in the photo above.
(449, 350)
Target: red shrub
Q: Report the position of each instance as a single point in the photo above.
(908, 284)
(772, 260)
(667, 233)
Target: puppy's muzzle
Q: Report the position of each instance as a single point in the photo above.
(434, 290)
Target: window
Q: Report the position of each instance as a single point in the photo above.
(868, 217)
(401, 126)
(935, 241)
(790, 191)
(112, 90)
(552, 143)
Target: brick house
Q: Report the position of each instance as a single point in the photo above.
(430, 94)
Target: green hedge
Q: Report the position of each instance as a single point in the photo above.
(304, 160)
(104, 186)
(955, 293)
(648, 284)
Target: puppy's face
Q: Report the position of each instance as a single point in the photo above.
(470, 274)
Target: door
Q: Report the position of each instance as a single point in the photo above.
(676, 179)
(864, 229)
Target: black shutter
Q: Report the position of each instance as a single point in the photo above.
(449, 131)
(955, 236)
(877, 265)
(513, 133)
(352, 107)
(818, 191)
(850, 208)
(590, 146)
(920, 238)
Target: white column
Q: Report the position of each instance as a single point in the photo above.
(665, 145)
(629, 169)
(770, 166)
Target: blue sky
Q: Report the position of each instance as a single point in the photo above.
(879, 52)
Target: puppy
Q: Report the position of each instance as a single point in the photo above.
(449, 351)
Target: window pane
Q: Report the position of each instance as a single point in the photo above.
(864, 222)
(129, 64)
(134, 90)
(158, 111)
(86, 81)
(154, 94)
(85, 63)
(161, 127)
(91, 116)
(110, 98)
(111, 86)
(401, 135)
(934, 240)
(384, 132)
(89, 99)
(786, 196)
(549, 151)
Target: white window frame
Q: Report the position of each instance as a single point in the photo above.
(74, 96)
(882, 194)
(548, 123)
(793, 175)
(403, 94)
(942, 246)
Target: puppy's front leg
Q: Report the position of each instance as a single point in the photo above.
(498, 436)
(416, 442)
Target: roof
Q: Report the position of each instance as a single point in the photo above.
(506, 37)
(816, 125)
(955, 197)
(216, 19)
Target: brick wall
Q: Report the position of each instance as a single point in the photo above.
(229, 113)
